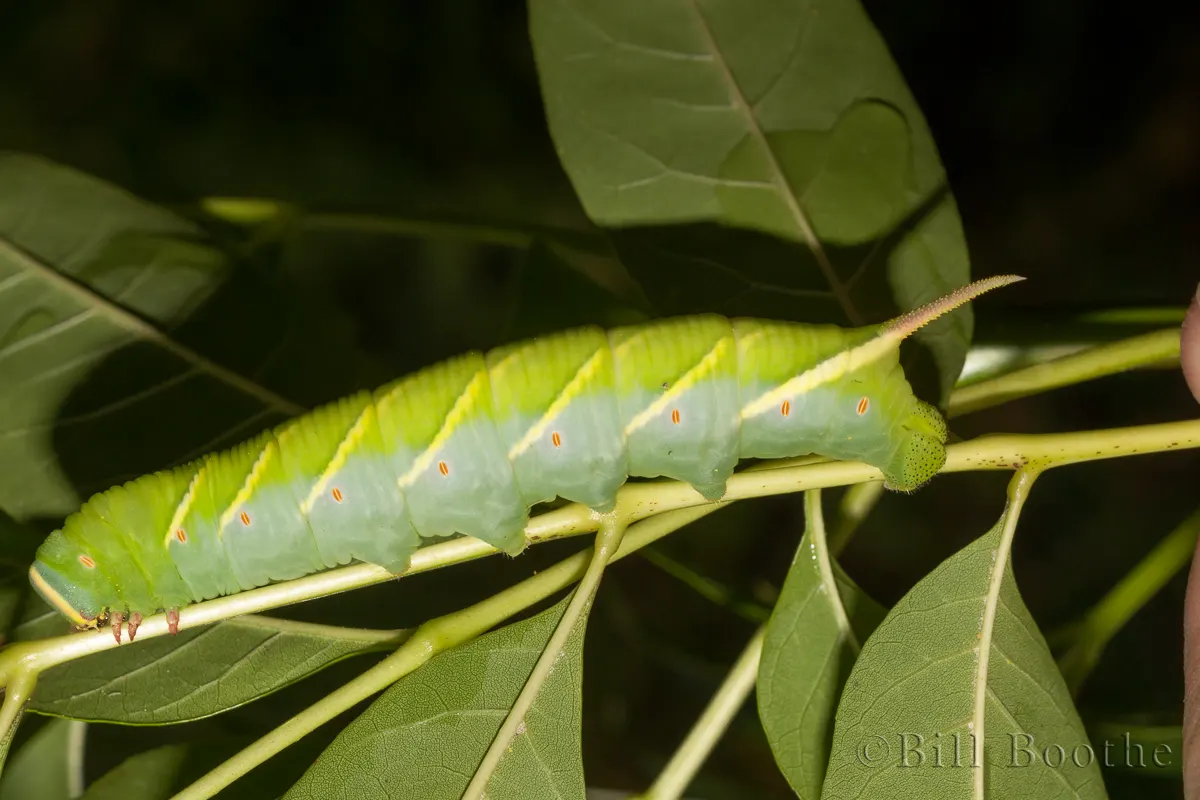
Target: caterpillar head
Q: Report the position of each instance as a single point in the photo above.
(72, 582)
(922, 450)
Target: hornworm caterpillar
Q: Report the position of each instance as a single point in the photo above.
(470, 445)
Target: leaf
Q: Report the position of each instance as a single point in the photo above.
(38, 619)
(123, 348)
(146, 776)
(960, 654)
(813, 638)
(70, 294)
(425, 736)
(786, 118)
(49, 766)
(200, 672)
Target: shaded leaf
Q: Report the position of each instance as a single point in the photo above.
(200, 672)
(425, 736)
(787, 118)
(960, 653)
(49, 766)
(124, 349)
(807, 656)
(146, 776)
(38, 619)
(82, 237)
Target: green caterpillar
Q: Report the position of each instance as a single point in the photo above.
(470, 445)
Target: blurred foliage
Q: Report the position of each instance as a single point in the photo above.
(1070, 137)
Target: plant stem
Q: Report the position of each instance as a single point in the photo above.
(42, 654)
(1126, 598)
(16, 695)
(995, 452)
(519, 235)
(431, 638)
(515, 235)
(635, 502)
(1019, 488)
(858, 502)
(427, 641)
(1095, 362)
(712, 590)
(708, 729)
(814, 518)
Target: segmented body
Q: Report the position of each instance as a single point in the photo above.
(468, 446)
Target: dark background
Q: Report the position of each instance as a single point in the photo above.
(1070, 132)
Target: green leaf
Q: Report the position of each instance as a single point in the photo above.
(200, 672)
(959, 660)
(38, 619)
(81, 265)
(787, 118)
(124, 348)
(813, 638)
(49, 766)
(146, 776)
(425, 736)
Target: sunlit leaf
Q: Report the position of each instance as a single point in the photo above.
(787, 118)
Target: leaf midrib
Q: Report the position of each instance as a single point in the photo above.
(123, 318)
(1018, 491)
(782, 187)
